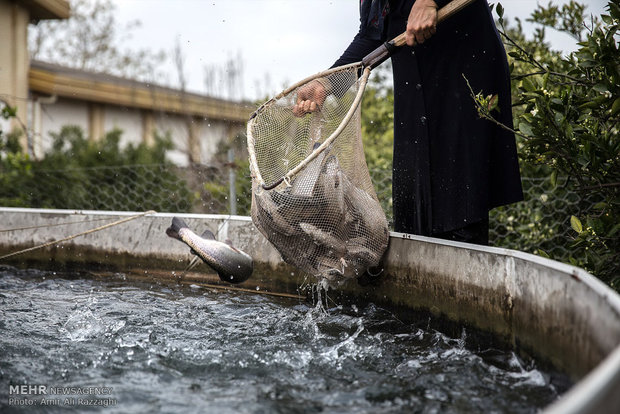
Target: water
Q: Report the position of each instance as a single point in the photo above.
(150, 348)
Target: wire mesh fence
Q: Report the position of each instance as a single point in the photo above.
(160, 187)
(539, 223)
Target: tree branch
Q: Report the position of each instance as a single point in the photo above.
(545, 71)
(594, 187)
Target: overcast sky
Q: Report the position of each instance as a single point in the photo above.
(280, 41)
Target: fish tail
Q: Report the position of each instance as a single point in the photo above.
(175, 227)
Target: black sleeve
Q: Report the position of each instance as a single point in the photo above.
(359, 47)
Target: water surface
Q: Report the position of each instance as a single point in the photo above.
(153, 347)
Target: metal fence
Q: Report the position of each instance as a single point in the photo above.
(540, 223)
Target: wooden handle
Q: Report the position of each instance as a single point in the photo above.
(444, 13)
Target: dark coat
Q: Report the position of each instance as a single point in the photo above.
(450, 167)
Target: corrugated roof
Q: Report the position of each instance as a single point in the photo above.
(46, 9)
(73, 83)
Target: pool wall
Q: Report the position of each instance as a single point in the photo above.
(557, 312)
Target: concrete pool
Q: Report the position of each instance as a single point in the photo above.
(558, 313)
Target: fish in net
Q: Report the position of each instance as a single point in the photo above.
(325, 217)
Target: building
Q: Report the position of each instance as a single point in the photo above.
(48, 96)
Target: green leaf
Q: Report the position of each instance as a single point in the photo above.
(600, 87)
(615, 107)
(528, 85)
(554, 178)
(525, 128)
(575, 223)
(600, 206)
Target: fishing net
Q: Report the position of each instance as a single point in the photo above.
(312, 196)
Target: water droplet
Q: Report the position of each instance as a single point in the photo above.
(418, 86)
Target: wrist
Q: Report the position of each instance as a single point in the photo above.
(429, 3)
(327, 85)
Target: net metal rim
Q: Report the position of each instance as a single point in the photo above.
(256, 175)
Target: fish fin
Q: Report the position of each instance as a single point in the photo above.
(229, 243)
(193, 263)
(208, 234)
(175, 227)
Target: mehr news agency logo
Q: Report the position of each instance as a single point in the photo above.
(39, 394)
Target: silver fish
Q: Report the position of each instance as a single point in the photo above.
(323, 238)
(367, 215)
(304, 182)
(270, 216)
(329, 188)
(231, 264)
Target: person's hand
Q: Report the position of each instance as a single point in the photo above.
(310, 98)
(422, 22)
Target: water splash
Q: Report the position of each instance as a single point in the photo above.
(198, 349)
(82, 325)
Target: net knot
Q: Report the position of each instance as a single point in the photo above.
(287, 181)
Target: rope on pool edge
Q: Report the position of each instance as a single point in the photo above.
(45, 226)
(79, 234)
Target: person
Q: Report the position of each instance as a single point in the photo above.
(450, 167)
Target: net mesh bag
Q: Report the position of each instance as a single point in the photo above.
(312, 196)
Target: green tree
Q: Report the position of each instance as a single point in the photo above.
(567, 118)
(15, 166)
(78, 173)
(378, 119)
(92, 40)
(216, 190)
